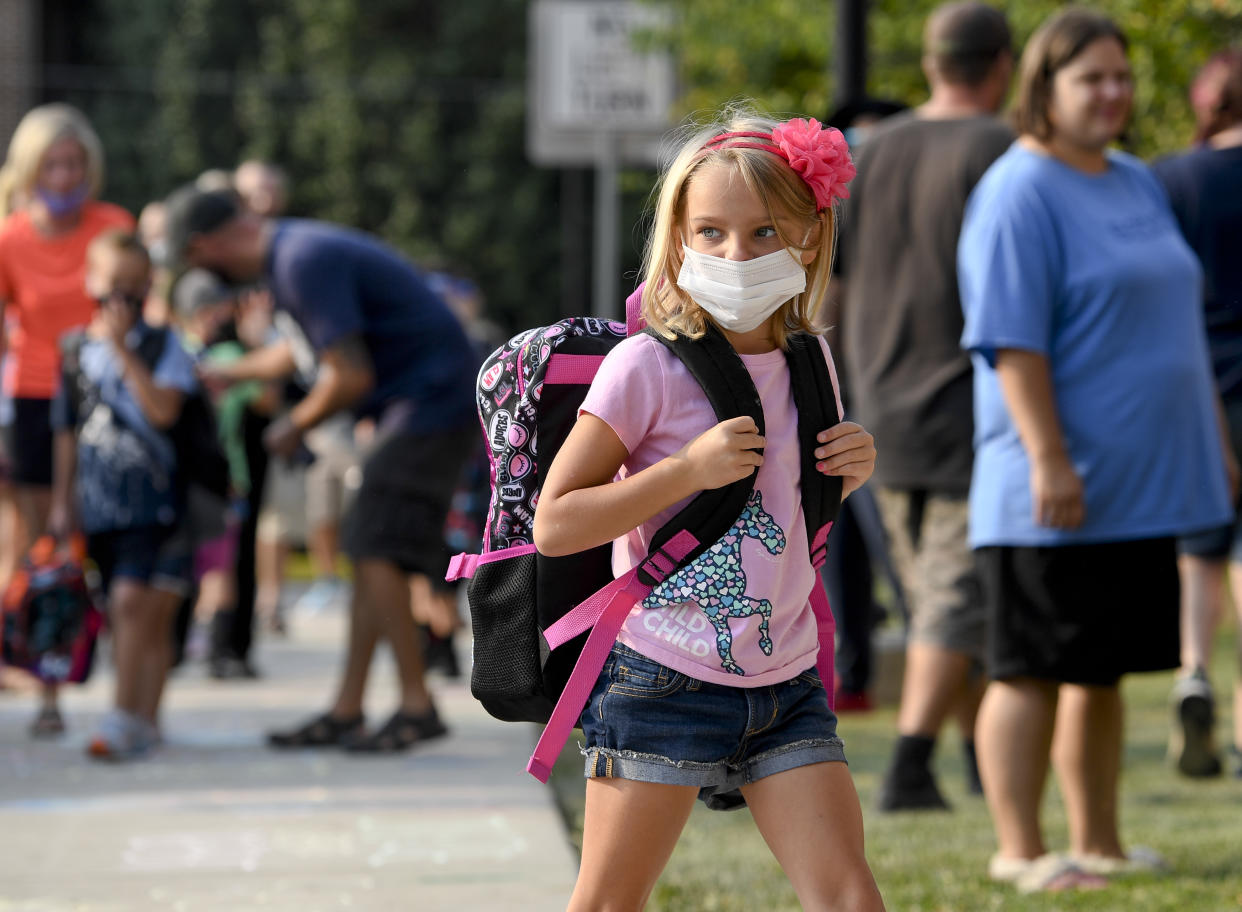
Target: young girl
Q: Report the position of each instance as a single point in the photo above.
(743, 237)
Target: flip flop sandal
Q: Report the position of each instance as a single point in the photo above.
(47, 724)
(322, 731)
(399, 733)
(1051, 873)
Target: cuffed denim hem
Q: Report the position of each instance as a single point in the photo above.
(719, 782)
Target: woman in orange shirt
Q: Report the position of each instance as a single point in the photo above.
(52, 175)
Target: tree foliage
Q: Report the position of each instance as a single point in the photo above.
(406, 117)
(400, 117)
(779, 53)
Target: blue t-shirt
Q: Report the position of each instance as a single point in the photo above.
(1205, 188)
(126, 473)
(1092, 272)
(336, 282)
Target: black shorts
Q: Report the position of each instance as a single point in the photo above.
(1081, 614)
(28, 443)
(398, 514)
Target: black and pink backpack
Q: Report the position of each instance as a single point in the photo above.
(543, 626)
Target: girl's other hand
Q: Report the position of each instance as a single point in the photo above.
(846, 449)
(724, 454)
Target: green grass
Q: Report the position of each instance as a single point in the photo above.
(937, 862)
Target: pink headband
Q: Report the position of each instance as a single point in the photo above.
(818, 154)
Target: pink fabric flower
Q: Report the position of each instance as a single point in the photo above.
(819, 154)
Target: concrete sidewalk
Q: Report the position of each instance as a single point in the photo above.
(217, 821)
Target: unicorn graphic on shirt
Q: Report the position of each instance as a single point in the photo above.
(716, 582)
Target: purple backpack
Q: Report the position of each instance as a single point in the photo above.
(543, 626)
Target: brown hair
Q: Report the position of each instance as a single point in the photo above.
(118, 241)
(1053, 46)
(1216, 94)
(964, 40)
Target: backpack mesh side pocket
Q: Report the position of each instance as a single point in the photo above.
(506, 676)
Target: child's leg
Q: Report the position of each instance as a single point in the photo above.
(158, 658)
(811, 820)
(128, 607)
(629, 830)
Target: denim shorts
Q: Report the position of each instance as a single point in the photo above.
(649, 723)
(157, 556)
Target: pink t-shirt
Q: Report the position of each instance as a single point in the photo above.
(738, 615)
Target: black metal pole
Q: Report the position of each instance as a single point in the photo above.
(851, 51)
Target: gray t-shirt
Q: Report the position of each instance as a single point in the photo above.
(907, 378)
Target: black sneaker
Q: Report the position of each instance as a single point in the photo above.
(1192, 746)
(910, 793)
(231, 668)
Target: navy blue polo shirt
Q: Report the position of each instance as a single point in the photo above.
(336, 282)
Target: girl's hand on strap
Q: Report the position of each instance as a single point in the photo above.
(846, 449)
(723, 454)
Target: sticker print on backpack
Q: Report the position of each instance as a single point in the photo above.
(508, 396)
(716, 582)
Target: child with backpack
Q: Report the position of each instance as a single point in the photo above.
(115, 476)
(711, 689)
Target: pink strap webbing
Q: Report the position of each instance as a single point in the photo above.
(826, 628)
(607, 609)
(572, 368)
(634, 311)
(463, 566)
(825, 623)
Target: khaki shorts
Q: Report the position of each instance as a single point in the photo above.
(282, 519)
(927, 538)
(335, 475)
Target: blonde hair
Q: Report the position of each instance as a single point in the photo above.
(35, 134)
(666, 308)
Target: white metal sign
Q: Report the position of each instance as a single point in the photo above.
(589, 78)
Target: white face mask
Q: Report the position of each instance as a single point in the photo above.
(741, 295)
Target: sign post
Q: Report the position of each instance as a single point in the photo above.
(595, 99)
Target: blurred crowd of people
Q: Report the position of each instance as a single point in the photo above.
(195, 425)
(1043, 333)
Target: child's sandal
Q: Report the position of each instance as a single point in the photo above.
(322, 731)
(399, 733)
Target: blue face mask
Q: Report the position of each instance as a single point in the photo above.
(61, 204)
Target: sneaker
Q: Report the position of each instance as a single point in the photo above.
(1192, 747)
(439, 655)
(122, 736)
(231, 668)
(324, 594)
(911, 793)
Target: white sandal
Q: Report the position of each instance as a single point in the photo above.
(1049, 873)
(1139, 860)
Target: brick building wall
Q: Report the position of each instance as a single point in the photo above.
(19, 61)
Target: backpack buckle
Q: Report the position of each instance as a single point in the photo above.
(656, 567)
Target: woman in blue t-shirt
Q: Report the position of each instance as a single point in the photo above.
(1096, 444)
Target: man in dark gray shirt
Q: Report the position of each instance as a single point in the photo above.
(910, 381)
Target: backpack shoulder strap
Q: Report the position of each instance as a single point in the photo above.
(712, 361)
(816, 400)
